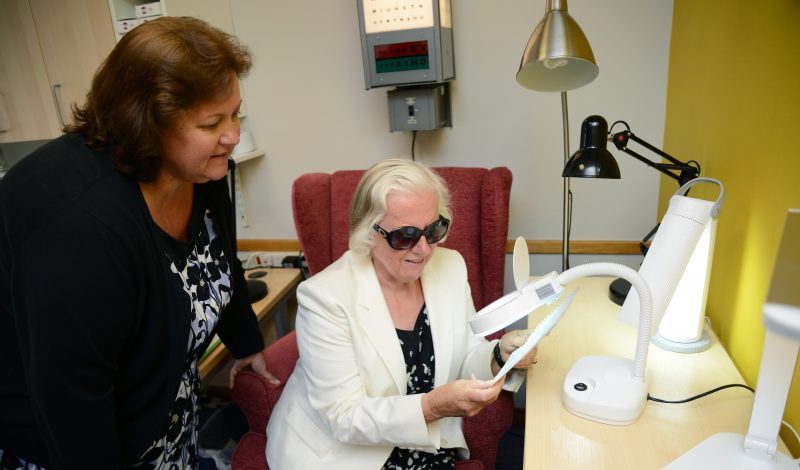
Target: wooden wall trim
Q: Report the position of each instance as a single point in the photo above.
(583, 247)
(603, 247)
(267, 244)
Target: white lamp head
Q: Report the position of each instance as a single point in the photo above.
(759, 448)
(521, 263)
(515, 305)
(782, 309)
(677, 268)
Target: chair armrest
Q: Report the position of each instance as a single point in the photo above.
(256, 398)
(255, 395)
(249, 452)
(484, 430)
(470, 464)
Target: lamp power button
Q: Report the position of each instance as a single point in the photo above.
(580, 386)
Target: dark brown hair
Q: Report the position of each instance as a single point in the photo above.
(158, 70)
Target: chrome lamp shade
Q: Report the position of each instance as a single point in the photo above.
(558, 56)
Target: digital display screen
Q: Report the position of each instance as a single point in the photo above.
(402, 56)
(401, 49)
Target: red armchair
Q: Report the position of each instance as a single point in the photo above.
(321, 203)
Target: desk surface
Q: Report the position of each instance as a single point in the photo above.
(280, 282)
(555, 438)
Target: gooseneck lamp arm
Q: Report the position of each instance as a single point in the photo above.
(645, 307)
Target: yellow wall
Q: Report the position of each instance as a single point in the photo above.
(733, 104)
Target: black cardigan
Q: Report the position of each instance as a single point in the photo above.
(93, 331)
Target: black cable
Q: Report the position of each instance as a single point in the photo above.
(303, 265)
(627, 127)
(569, 225)
(651, 398)
(413, 141)
(643, 247)
(232, 173)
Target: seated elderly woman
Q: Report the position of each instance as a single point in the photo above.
(388, 364)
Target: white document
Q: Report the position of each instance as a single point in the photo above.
(540, 331)
(514, 380)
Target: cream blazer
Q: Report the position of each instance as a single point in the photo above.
(345, 405)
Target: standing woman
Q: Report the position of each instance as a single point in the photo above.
(118, 262)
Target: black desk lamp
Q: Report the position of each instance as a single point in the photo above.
(256, 289)
(593, 160)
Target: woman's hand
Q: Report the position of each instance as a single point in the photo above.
(510, 342)
(459, 398)
(256, 362)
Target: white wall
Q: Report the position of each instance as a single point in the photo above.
(308, 109)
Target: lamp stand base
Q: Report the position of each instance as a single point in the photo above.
(256, 290)
(726, 450)
(618, 290)
(603, 389)
(687, 348)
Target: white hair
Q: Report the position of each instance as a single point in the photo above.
(378, 182)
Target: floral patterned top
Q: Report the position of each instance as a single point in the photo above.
(418, 352)
(201, 267)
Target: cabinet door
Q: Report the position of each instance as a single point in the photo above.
(75, 37)
(27, 110)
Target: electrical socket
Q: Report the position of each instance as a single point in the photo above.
(263, 259)
(255, 259)
(277, 257)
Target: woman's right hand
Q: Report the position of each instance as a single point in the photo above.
(459, 398)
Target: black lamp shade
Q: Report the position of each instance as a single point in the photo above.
(592, 160)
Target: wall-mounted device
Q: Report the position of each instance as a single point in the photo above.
(405, 42)
(419, 108)
(127, 14)
(409, 44)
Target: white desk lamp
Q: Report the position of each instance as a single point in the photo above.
(758, 449)
(607, 389)
(677, 267)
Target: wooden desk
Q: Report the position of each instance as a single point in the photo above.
(555, 438)
(281, 284)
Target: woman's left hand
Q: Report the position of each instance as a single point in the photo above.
(511, 341)
(257, 363)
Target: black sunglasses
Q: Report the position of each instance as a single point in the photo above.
(403, 238)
